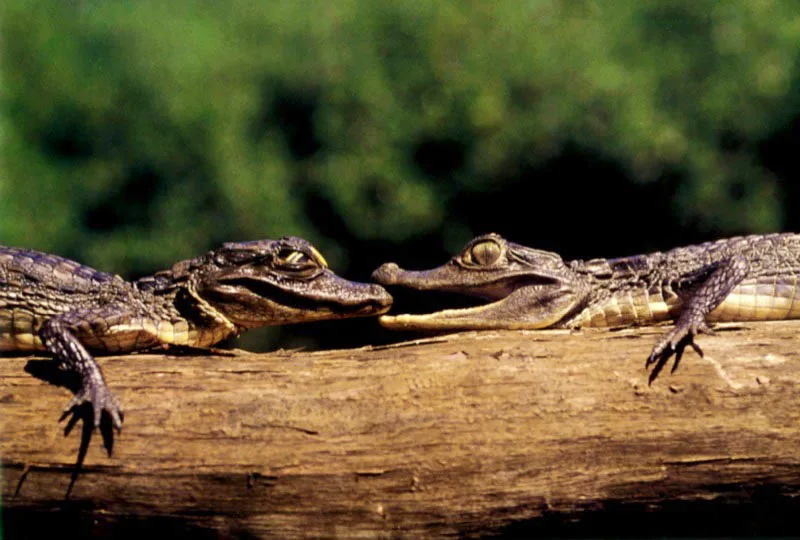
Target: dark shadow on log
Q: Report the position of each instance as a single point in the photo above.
(760, 512)
(80, 521)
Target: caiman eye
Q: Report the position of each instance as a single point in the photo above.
(483, 253)
(294, 258)
(297, 263)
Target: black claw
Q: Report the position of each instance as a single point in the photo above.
(657, 351)
(678, 355)
(116, 420)
(677, 349)
(74, 416)
(662, 361)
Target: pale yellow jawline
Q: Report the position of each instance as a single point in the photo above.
(461, 319)
(208, 309)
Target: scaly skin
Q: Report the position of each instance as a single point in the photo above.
(51, 304)
(750, 278)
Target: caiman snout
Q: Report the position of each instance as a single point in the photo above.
(386, 274)
(438, 278)
(382, 298)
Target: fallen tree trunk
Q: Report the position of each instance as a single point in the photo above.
(466, 434)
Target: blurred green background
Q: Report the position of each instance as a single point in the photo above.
(136, 134)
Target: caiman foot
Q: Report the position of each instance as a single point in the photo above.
(674, 342)
(102, 400)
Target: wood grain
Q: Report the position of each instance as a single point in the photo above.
(463, 435)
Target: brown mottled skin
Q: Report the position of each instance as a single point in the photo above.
(52, 304)
(737, 279)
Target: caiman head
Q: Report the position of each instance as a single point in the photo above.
(524, 287)
(273, 282)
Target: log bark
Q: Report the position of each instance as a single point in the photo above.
(468, 434)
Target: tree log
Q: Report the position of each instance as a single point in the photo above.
(467, 434)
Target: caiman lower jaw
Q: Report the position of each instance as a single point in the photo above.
(431, 322)
(517, 311)
(330, 310)
(370, 309)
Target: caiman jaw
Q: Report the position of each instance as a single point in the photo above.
(542, 305)
(326, 296)
(494, 316)
(524, 288)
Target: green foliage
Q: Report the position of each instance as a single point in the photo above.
(137, 133)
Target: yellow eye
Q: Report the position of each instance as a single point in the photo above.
(483, 253)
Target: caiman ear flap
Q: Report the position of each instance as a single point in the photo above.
(167, 280)
(533, 257)
(598, 268)
(233, 254)
(181, 269)
(622, 268)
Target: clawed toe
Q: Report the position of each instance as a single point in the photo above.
(102, 400)
(674, 343)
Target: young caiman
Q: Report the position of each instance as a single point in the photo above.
(52, 304)
(750, 278)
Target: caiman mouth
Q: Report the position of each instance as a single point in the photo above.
(364, 300)
(487, 285)
(436, 308)
(443, 318)
(441, 310)
(477, 299)
(414, 302)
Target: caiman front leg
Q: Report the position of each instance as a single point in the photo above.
(723, 277)
(57, 336)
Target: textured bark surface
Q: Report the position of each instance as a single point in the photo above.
(546, 432)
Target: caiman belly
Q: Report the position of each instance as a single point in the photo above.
(19, 332)
(766, 298)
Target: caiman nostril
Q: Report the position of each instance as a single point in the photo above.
(386, 274)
